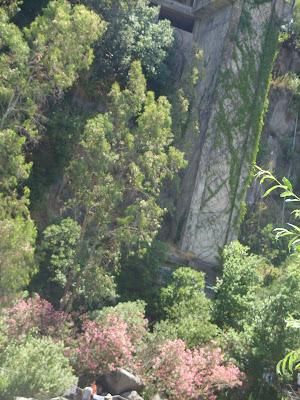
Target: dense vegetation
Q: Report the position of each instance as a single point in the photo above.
(87, 140)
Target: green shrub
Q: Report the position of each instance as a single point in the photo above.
(34, 368)
(187, 310)
(237, 286)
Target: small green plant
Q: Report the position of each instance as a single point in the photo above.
(287, 193)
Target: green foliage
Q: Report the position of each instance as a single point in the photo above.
(287, 193)
(58, 254)
(16, 227)
(13, 167)
(116, 176)
(187, 310)
(253, 302)
(17, 264)
(35, 368)
(295, 28)
(289, 364)
(140, 278)
(11, 7)
(289, 81)
(42, 60)
(236, 288)
(133, 33)
(35, 63)
(131, 312)
(59, 249)
(262, 240)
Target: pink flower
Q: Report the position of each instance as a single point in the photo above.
(105, 347)
(199, 373)
(36, 315)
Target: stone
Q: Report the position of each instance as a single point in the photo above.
(73, 393)
(133, 395)
(59, 398)
(86, 393)
(121, 381)
(24, 398)
(157, 397)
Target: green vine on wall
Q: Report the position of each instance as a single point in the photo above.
(248, 90)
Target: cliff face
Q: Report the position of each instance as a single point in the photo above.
(221, 136)
(280, 142)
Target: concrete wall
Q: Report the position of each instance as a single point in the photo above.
(239, 41)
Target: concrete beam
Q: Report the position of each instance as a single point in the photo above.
(209, 5)
(177, 6)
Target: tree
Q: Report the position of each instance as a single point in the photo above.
(115, 177)
(59, 259)
(133, 33)
(42, 60)
(187, 310)
(36, 63)
(17, 230)
(237, 287)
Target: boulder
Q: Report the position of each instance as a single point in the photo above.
(121, 381)
(133, 395)
(59, 398)
(87, 393)
(73, 393)
(23, 398)
(157, 397)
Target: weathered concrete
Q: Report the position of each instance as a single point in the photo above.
(238, 39)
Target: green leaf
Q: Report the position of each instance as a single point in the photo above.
(271, 190)
(287, 183)
(286, 194)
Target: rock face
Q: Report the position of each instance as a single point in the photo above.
(121, 381)
(226, 110)
(280, 144)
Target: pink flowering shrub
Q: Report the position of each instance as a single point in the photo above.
(37, 316)
(180, 373)
(133, 313)
(103, 347)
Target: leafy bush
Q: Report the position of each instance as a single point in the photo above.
(60, 261)
(187, 310)
(236, 288)
(35, 316)
(103, 347)
(131, 312)
(35, 368)
(140, 278)
(180, 373)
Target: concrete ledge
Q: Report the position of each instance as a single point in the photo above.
(176, 6)
(192, 7)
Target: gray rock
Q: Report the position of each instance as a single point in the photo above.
(87, 393)
(23, 398)
(122, 381)
(59, 398)
(133, 395)
(157, 397)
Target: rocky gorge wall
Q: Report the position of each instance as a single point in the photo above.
(280, 142)
(228, 100)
